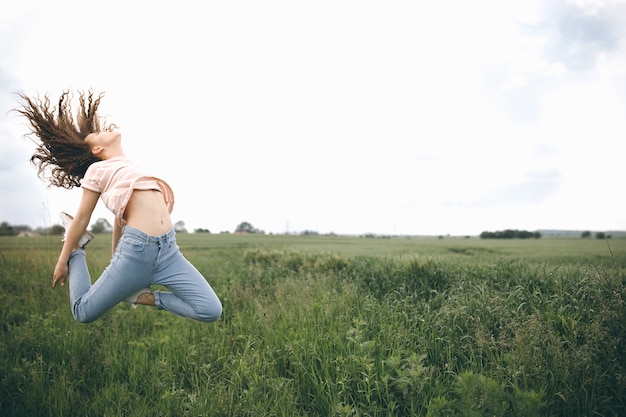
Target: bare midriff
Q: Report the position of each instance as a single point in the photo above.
(146, 211)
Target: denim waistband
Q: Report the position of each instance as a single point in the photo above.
(131, 231)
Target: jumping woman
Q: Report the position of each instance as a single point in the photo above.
(78, 153)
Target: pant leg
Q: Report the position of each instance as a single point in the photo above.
(126, 273)
(79, 277)
(191, 295)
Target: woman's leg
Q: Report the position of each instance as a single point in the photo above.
(80, 280)
(123, 276)
(191, 295)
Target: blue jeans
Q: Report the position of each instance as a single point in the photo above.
(138, 262)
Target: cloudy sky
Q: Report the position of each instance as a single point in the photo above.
(403, 117)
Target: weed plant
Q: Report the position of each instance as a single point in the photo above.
(330, 326)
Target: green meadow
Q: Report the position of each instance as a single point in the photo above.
(330, 326)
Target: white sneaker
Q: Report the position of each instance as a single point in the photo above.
(133, 298)
(87, 237)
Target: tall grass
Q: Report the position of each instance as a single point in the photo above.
(330, 327)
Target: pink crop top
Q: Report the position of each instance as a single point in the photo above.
(116, 178)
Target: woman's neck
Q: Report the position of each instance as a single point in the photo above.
(112, 153)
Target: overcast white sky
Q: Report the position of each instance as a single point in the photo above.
(389, 117)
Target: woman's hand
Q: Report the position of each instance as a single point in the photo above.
(61, 272)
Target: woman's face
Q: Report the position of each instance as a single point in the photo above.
(104, 138)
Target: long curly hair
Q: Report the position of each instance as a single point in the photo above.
(62, 155)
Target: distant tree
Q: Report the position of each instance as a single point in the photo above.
(200, 230)
(585, 234)
(179, 226)
(56, 230)
(510, 234)
(600, 235)
(21, 228)
(6, 229)
(101, 225)
(245, 227)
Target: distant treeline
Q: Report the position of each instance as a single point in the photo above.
(7, 230)
(510, 234)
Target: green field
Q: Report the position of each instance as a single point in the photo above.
(330, 326)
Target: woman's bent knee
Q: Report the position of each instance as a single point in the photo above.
(81, 315)
(82, 318)
(210, 312)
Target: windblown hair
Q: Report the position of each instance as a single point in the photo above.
(62, 155)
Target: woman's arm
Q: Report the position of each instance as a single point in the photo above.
(117, 233)
(72, 236)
